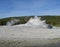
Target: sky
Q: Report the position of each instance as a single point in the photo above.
(10, 8)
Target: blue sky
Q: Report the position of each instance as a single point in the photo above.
(9, 8)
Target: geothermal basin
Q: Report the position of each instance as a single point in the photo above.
(29, 35)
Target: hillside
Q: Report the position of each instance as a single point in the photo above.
(53, 20)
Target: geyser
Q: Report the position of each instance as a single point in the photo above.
(36, 22)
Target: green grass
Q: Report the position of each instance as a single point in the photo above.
(53, 20)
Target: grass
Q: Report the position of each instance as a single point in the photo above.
(53, 20)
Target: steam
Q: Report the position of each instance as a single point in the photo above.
(13, 21)
(36, 22)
